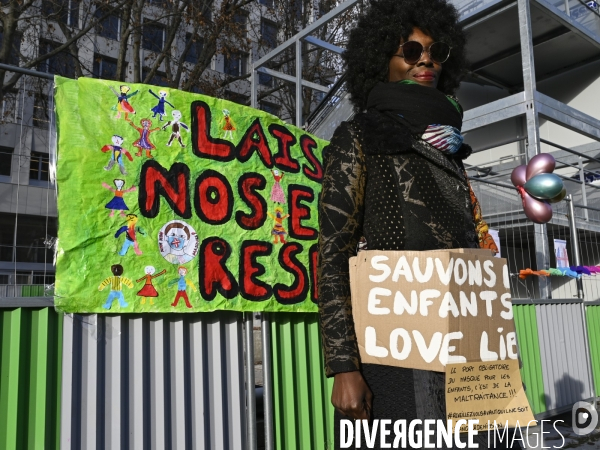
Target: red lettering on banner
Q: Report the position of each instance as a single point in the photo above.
(172, 184)
(203, 144)
(213, 273)
(308, 144)
(285, 140)
(251, 287)
(248, 184)
(288, 260)
(255, 140)
(214, 198)
(299, 212)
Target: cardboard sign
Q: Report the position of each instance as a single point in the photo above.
(424, 310)
(488, 392)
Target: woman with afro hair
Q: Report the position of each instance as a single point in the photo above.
(394, 180)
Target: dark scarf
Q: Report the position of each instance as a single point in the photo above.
(398, 113)
(419, 106)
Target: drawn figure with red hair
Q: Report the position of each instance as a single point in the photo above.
(143, 143)
(182, 285)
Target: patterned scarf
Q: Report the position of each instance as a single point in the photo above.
(446, 138)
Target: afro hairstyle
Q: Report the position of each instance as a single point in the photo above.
(377, 36)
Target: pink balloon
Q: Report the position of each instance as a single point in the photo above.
(518, 176)
(537, 211)
(542, 163)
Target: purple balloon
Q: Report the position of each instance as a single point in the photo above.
(518, 176)
(537, 211)
(542, 163)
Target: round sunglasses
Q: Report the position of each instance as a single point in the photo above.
(413, 50)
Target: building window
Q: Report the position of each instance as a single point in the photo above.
(241, 19)
(64, 11)
(10, 107)
(153, 37)
(235, 64)
(6, 156)
(267, 3)
(236, 97)
(268, 32)
(105, 68)
(41, 119)
(270, 108)
(62, 63)
(109, 26)
(159, 78)
(7, 236)
(206, 10)
(13, 57)
(195, 50)
(39, 168)
(32, 232)
(265, 80)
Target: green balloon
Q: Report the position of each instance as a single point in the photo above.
(560, 196)
(544, 186)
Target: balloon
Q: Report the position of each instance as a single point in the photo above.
(518, 176)
(560, 196)
(544, 186)
(537, 211)
(542, 163)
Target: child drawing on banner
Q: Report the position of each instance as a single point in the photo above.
(182, 285)
(123, 105)
(277, 194)
(117, 154)
(278, 232)
(130, 230)
(116, 283)
(149, 291)
(117, 203)
(229, 126)
(143, 143)
(160, 107)
(175, 127)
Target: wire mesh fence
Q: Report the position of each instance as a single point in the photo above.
(503, 211)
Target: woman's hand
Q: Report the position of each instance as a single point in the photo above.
(351, 395)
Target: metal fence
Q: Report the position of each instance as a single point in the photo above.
(153, 382)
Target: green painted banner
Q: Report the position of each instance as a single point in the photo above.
(170, 201)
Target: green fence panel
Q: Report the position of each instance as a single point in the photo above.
(302, 410)
(30, 378)
(592, 314)
(529, 350)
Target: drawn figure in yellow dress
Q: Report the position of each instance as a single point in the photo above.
(278, 232)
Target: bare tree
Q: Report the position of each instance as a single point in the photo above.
(169, 42)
